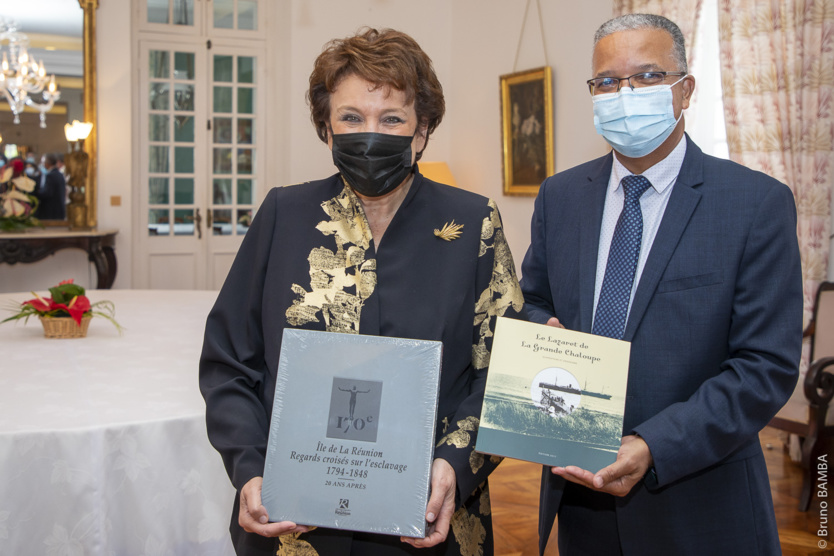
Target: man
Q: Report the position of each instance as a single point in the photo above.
(32, 171)
(52, 192)
(703, 277)
(59, 163)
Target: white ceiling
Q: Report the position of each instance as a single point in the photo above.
(49, 17)
(50, 21)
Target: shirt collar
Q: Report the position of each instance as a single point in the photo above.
(661, 175)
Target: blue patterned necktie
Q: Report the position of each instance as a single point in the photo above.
(612, 307)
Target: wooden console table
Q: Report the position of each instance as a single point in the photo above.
(34, 245)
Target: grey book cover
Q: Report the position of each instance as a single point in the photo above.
(554, 396)
(352, 432)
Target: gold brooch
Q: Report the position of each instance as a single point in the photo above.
(449, 231)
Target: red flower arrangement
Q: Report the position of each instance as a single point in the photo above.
(68, 300)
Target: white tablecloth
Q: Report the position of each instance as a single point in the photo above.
(103, 447)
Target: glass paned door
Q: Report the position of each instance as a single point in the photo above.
(170, 172)
(234, 151)
(172, 147)
(200, 159)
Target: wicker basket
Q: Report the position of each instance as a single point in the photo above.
(65, 327)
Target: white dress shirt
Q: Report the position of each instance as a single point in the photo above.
(652, 204)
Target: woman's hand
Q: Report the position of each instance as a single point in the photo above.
(254, 518)
(441, 505)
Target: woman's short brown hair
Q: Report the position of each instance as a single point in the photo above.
(386, 58)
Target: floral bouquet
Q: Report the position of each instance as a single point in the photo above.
(68, 300)
(16, 202)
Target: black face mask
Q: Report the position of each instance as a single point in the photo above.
(373, 164)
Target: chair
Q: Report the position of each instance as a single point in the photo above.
(806, 412)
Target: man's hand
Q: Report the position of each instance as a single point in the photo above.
(553, 321)
(253, 516)
(633, 460)
(441, 505)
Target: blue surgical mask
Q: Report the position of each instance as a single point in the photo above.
(635, 122)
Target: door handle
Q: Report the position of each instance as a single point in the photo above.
(197, 221)
(208, 219)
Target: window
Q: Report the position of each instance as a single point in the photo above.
(705, 116)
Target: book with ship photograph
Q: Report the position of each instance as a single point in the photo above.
(554, 396)
(352, 432)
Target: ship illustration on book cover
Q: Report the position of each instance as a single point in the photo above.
(554, 396)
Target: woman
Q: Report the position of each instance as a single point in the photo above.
(375, 249)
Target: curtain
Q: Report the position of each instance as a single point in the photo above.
(679, 11)
(777, 72)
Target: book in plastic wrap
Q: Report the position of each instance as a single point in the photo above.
(352, 432)
(554, 396)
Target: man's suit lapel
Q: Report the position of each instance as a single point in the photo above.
(589, 226)
(682, 203)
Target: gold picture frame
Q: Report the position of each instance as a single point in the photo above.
(527, 130)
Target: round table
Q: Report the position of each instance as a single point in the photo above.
(103, 446)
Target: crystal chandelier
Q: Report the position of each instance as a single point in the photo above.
(22, 79)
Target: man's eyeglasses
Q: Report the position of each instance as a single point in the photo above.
(603, 85)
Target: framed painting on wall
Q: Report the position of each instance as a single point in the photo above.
(527, 130)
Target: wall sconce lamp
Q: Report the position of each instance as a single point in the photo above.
(77, 132)
(76, 162)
